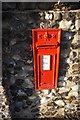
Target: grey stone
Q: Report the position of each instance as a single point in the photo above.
(64, 45)
(14, 90)
(17, 25)
(19, 81)
(65, 25)
(68, 35)
(28, 68)
(35, 110)
(62, 78)
(75, 72)
(1, 115)
(11, 70)
(63, 90)
(70, 84)
(54, 25)
(59, 103)
(18, 106)
(76, 60)
(77, 15)
(32, 97)
(46, 92)
(12, 80)
(29, 102)
(20, 63)
(16, 57)
(65, 53)
(70, 78)
(75, 88)
(52, 94)
(42, 25)
(13, 42)
(15, 50)
(76, 78)
(30, 20)
(62, 72)
(74, 46)
(28, 91)
(66, 15)
(59, 112)
(72, 27)
(44, 100)
(69, 61)
(20, 47)
(21, 74)
(76, 37)
(29, 61)
(73, 93)
(9, 61)
(54, 91)
(77, 24)
(57, 16)
(68, 106)
(21, 93)
(61, 83)
(64, 65)
(32, 25)
(42, 15)
(76, 67)
(28, 83)
(48, 16)
(74, 54)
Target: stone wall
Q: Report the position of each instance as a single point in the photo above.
(19, 99)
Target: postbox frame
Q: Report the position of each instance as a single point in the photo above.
(35, 45)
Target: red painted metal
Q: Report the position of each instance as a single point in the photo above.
(46, 52)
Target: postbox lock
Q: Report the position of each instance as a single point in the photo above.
(46, 50)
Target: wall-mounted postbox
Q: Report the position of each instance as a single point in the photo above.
(46, 52)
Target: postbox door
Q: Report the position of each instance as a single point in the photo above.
(46, 67)
(46, 71)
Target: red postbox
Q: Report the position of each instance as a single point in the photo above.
(46, 52)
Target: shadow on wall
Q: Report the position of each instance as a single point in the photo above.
(18, 65)
(65, 44)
